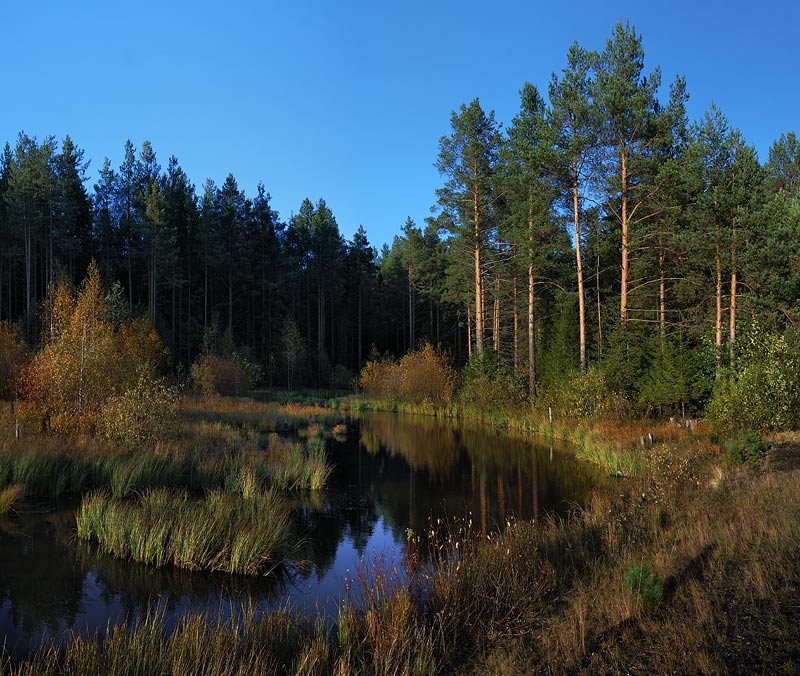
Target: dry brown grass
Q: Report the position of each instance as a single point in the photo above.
(9, 497)
(727, 550)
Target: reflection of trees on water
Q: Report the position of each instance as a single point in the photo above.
(426, 445)
(430, 467)
(37, 572)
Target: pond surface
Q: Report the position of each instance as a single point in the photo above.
(391, 473)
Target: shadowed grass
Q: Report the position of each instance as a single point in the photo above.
(250, 645)
(224, 531)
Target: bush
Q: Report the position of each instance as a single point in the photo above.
(142, 415)
(423, 375)
(220, 368)
(213, 375)
(640, 580)
(487, 384)
(380, 379)
(585, 395)
(763, 392)
(85, 363)
(747, 447)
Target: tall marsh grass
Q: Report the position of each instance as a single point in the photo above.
(293, 466)
(9, 497)
(247, 533)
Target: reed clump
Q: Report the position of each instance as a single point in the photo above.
(248, 644)
(246, 532)
(297, 466)
(9, 497)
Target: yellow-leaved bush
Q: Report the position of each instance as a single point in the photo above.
(87, 371)
(422, 375)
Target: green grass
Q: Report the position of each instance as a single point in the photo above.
(247, 533)
(297, 466)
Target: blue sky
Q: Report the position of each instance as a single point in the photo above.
(347, 100)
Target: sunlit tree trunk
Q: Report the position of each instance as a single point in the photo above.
(718, 318)
(496, 315)
(623, 298)
(479, 314)
(662, 300)
(579, 263)
(531, 300)
(734, 282)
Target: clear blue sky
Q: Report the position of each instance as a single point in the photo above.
(347, 100)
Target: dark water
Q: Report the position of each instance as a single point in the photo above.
(392, 473)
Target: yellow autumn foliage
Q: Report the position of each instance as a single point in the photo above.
(422, 375)
(86, 371)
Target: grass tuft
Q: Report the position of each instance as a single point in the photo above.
(9, 497)
(224, 531)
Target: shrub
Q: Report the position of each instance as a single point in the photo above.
(142, 415)
(423, 375)
(85, 363)
(763, 392)
(746, 447)
(640, 580)
(582, 395)
(220, 368)
(487, 384)
(380, 379)
(426, 375)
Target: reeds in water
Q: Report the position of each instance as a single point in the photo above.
(8, 498)
(224, 531)
(297, 466)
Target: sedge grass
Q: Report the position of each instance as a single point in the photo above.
(224, 531)
(9, 497)
(297, 466)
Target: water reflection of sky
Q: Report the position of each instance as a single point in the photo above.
(391, 474)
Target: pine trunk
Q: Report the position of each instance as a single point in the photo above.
(496, 315)
(662, 300)
(516, 330)
(531, 300)
(623, 297)
(479, 315)
(734, 291)
(579, 263)
(718, 318)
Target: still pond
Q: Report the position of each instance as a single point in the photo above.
(392, 473)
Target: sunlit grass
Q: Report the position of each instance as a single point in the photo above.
(224, 531)
(9, 497)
